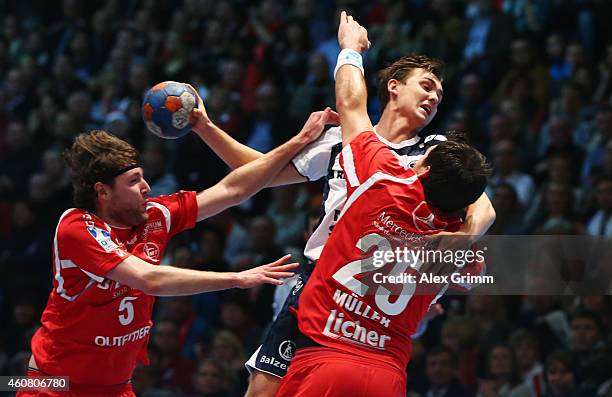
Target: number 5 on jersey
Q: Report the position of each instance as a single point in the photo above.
(126, 310)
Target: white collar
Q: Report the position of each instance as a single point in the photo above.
(398, 145)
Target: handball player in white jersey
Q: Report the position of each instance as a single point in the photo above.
(410, 90)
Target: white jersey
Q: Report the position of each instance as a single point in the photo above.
(321, 159)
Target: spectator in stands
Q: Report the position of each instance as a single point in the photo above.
(502, 372)
(211, 380)
(525, 62)
(227, 350)
(589, 348)
(556, 212)
(154, 161)
(596, 148)
(316, 92)
(561, 378)
(175, 371)
(288, 218)
(509, 215)
(527, 351)
(601, 223)
(441, 371)
(461, 336)
(476, 107)
(505, 162)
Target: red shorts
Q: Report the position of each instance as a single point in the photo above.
(123, 390)
(325, 372)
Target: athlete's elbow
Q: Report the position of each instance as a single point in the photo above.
(349, 101)
(151, 282)
(237, 194)
(491, 214)
(233, 190)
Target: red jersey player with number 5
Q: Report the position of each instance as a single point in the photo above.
(106, 257)
(356, 335)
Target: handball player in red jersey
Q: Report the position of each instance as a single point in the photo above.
(355, 334)
(106, 256)
(400, 128)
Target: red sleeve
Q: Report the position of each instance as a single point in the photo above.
(85, 242)
(180, 210)
(365, 156)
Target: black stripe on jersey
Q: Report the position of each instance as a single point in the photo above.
(335, 152)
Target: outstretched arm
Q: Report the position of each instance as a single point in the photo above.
(236, 154)
(173, 281)
(247, 180)
(351, 92)
(232, 152)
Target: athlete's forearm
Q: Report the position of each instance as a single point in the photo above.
(170, 280)
(351, 100)
(254, 176)
(479, 218)
(351, 92)
(174, 281)
(232, 152)
(236, 154)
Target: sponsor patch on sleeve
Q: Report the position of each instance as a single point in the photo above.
(103, 238)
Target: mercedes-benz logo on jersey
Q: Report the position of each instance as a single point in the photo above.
(423, 218)
(287, 350)
(151, 250)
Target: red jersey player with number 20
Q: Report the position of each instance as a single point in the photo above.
(356, 335)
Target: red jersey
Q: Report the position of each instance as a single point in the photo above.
(385, 208)
(94, 329)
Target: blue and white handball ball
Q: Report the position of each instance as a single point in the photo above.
(166, 109)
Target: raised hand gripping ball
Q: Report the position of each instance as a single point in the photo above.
(166, 109)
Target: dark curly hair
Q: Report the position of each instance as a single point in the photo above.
(97, 156)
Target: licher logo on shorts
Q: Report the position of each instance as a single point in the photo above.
(340, 327)
(103, 238)
(151, 250)
(287, 350)
(423, 218)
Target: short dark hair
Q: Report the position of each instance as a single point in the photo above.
(93, 157)
(524, 336)
(564, 357)
(443, 350)
(401, 69)
(584, 313)
(457, 177)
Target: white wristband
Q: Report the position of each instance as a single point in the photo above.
(349, 57)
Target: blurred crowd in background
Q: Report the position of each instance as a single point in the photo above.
(529, 81)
